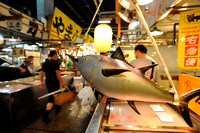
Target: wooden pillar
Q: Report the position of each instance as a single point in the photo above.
(118, 19)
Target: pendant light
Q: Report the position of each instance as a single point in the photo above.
(156, 32)
(103, 37)
(124, 16)
(133, 24)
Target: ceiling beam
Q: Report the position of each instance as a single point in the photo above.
(73, 9)
(87, 5)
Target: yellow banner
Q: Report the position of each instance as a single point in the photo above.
(63, 28)
(188, 46)
(188, 83)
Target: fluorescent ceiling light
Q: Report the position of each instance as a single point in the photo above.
(144, 2)
(6, 49)
(104, 22)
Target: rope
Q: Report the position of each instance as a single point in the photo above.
(92, 20)
(139, 12)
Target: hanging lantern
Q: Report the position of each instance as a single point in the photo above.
(103, 38)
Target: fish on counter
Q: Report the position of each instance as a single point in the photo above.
(116, 78)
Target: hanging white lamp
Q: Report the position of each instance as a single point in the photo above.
(156, 32)
(133, 24)
(103, 37)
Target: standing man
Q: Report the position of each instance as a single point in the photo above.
(142, 61)
(53, 81)
(26, 67)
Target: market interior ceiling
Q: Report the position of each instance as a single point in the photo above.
(82, 12)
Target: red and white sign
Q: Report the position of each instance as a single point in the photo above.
(191, 51)
(192, 39)
(190, 62)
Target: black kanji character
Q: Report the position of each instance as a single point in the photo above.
(30, 30)
(58, 24)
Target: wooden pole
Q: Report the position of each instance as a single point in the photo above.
(118, 19)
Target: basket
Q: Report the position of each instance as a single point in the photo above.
(63, 98)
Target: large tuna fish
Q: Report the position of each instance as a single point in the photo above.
(115, 78)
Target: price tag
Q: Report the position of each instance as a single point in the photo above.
(157, 108)
(164, 117)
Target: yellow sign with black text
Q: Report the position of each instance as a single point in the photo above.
(63, 28)
(188, 44)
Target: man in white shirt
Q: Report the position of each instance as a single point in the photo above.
(142, 61)
(26, 67)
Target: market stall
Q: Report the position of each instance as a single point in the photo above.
(19, 100)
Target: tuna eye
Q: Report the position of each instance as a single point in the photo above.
(85, 59)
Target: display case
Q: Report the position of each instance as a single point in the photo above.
(115, 116)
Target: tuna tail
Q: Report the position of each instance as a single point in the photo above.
(184, 99)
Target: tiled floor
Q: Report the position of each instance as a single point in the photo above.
(73, 118)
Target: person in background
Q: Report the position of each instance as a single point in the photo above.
(48, 58)
(142, 61)
(53, 81)
(70, 64)
(26, 67)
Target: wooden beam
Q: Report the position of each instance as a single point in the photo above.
(118, 19)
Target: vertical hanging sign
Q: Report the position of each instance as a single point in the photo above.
(188, 44)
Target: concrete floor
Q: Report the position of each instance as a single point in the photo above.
(73, 118)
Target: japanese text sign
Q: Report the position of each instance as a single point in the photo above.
(18, 52)
(188, 46)
(26, 24)
(62, 27)
(14, 24)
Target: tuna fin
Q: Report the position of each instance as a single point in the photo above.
(118, 54)
(185, 114)
(132, 104)
(111, 72)
(184, 99)
(144, 69)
